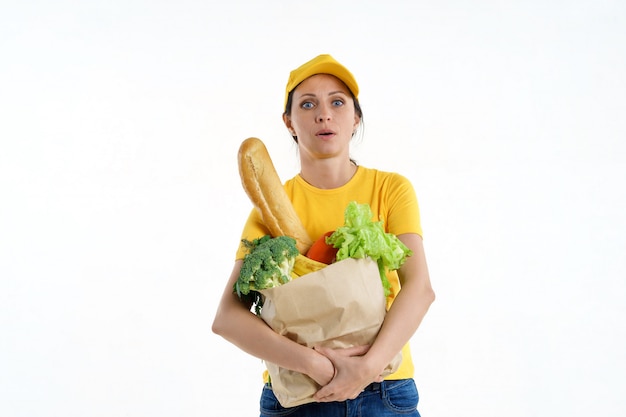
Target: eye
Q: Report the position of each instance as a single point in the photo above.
(338, 102)
(307, 105)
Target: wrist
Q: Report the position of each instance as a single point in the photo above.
(318, 367)
(374, 363)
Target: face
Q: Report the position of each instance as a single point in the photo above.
(322, 117)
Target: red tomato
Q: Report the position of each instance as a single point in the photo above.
(321, 251)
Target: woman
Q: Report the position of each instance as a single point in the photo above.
(322, 113)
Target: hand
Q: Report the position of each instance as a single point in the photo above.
(322, 370)
(352, 374)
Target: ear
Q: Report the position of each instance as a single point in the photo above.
(357, 122)
(287, 121)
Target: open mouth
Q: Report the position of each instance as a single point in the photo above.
(325, 133)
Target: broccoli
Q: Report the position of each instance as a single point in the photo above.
(267, 264)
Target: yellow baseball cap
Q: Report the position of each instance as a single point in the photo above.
(321, 64)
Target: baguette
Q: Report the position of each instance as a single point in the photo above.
(264, 188)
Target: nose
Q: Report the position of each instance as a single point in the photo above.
(323, 113)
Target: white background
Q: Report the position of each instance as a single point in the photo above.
(122, 207)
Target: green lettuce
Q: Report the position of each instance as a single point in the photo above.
(362, 237)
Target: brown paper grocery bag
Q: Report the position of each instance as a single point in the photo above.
(338, 306)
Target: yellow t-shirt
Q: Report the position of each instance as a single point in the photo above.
(391, 198)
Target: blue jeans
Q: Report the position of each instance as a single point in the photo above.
(389, 398)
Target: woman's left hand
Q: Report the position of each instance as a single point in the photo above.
(352, 374)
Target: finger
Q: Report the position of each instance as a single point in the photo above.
(357, 350)
(349, 351)
(323, 395)
(334, 397)
(325, 398)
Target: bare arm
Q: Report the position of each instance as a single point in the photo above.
(404, 317)
(235, 323)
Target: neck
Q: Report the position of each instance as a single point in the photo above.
(328, 174)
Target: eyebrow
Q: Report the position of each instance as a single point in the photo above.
(330, 94)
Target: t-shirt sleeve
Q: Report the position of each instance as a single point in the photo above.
(404, 213)
(253, 228)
